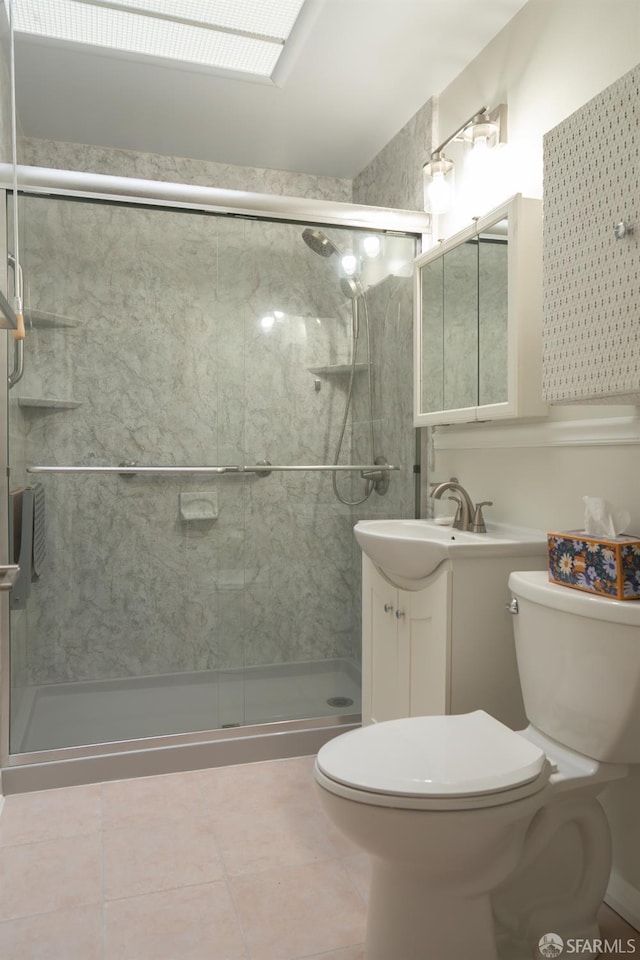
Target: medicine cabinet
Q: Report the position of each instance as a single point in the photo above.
(478, 320)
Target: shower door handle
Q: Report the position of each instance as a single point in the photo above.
(8, 575)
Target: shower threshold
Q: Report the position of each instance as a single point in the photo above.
(178, 721)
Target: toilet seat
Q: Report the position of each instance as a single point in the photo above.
(444, 762)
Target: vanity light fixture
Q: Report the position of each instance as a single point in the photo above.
(484, 130)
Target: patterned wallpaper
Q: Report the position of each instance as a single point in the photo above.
(592, 279)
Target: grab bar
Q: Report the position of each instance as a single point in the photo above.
(261, 468)
(8, 575)
(135, 470)
(268, 468)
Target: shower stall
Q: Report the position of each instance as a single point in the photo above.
(205, 409)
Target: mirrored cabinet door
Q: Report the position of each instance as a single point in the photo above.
(493, 314)
(431, 361)
(460, 326)
(478, 341)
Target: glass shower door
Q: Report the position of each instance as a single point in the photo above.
(177, 603)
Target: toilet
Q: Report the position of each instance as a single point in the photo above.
(485, 841)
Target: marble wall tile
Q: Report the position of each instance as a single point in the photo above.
(172, 364)
(150, 166)
(5, 107)
(394, 176)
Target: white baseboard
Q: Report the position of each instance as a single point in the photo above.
(624, 898)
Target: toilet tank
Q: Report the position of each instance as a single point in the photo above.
(579, 665)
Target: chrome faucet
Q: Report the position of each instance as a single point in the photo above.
(468, 517)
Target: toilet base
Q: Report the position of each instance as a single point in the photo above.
(408, 920)
(561, 880)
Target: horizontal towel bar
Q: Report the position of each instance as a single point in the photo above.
(261, 469)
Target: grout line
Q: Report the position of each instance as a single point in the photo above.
(206, 801)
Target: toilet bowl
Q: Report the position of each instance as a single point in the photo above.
(483, 840)
(444, 818)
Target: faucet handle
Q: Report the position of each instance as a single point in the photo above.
(478, 525)
(457, 521)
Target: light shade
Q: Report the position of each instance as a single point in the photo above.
(485, 129)
(439, 185)
(481, 133)
(244, 36)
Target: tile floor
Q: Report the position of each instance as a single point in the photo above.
(234, 863)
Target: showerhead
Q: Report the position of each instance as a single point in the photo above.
(350, 287)
(319, 242)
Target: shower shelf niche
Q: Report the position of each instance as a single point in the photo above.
(42, 319)
(48, 403)
(332, 368)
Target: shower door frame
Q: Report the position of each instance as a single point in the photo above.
(173, 752)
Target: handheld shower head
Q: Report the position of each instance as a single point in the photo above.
(319, 242)
(351, 287)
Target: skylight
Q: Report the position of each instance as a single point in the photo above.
(244, 36)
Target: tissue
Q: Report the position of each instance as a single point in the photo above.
(600, 559)
(602, 520)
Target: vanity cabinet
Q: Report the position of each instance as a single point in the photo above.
(445, 646)
(478, 320)
(405, 641)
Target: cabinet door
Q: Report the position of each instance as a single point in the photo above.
(478, 320)
(424, 642)
(591, 278)
(385, 692)
(405, 647)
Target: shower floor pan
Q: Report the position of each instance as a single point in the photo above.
(54, 716)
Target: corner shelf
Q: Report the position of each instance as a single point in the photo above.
(339, 368)
(48, 403)
(42, 319)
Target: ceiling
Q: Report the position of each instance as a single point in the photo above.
(354, 73)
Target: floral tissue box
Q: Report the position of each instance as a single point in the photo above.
(608, 568)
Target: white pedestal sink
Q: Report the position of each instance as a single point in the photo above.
(412, 549)
(436, 634)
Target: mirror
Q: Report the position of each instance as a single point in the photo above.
(493, 313)
(478, 321)
(463, 295)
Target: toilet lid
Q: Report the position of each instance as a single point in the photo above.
(451, 756)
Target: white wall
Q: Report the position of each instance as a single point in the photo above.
(551, 59)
